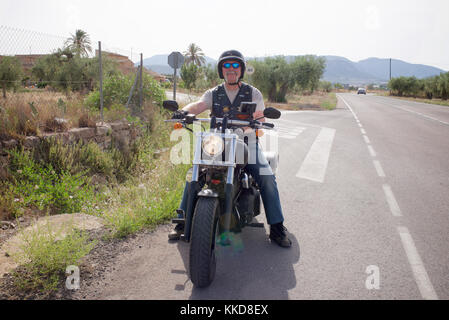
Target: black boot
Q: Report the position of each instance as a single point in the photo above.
(278, 234)
(176, 233)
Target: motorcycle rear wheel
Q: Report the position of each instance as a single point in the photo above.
(203, 238)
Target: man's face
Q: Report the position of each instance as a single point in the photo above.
(231, 74)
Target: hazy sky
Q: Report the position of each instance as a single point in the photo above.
(410, 30)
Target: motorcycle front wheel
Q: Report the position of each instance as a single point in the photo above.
(202, 263)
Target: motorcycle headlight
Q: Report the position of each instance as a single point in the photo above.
(212, 145)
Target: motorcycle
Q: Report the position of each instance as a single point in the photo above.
(223, 198)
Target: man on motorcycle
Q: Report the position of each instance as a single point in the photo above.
(229, 95)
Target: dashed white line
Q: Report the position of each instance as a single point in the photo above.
(371, 151)
(363, 131)
(366, 139)
(380, 171)
(392, 203)
(421, 277)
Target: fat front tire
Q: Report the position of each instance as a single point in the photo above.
(202, 242)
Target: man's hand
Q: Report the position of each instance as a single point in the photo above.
(179, 114)
(258, 114)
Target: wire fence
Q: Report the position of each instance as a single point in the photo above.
(39, 75)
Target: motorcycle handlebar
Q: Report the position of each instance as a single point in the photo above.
(256, 124)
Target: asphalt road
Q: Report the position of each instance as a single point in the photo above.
(365, 194)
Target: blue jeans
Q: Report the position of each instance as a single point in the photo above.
(262, 173)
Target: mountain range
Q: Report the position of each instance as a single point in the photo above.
(338, 69)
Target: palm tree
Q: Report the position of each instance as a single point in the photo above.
(194, 55)
(79, 43)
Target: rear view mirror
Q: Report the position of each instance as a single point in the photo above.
(170, 105)
(271, 113)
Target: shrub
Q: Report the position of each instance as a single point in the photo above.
(116, 91)
(41, 186)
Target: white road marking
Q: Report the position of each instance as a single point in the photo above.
(371, 151)
(366, 139)
(380, 171)
(286, 132)
(315, 164)
(392, 203)
(419, 113)
(423, 115)
(363, 131)
(350, 109)
(419, 271)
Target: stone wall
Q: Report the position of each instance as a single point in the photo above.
(118, 134)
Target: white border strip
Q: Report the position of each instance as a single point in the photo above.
(421, 277)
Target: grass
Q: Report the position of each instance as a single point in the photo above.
(44, 255)
(330, 103)
(141, 203)
(316, 101)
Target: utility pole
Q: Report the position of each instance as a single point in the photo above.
(390, 77)
(101, 80)
(390, 68)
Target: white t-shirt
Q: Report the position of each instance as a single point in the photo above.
(232, 94)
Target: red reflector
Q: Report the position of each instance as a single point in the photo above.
(216, 181)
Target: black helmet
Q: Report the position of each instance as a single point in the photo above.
(231, 55)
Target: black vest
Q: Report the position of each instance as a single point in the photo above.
(220, 100)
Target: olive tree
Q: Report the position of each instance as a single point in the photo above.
(275, 77)
(443, 85)
(10, 73)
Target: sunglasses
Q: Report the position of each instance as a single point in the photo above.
(235, 65)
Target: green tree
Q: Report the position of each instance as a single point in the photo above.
(194, 55)
(79, 43)
(10, 73)
(326, 86)
(338, 86)
(189, 74)
(308, 71)
(443, 85)
(274, 77)
(211, 74)
(397, 85)
(67, 71)
(429, 87)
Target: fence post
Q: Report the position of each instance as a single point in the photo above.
(133, 87)
(141, 83)
(101, 81)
